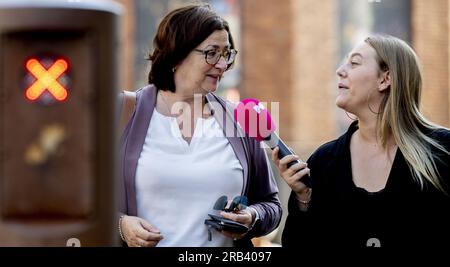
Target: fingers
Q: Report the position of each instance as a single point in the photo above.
(288, 172)
(275, 158)
(136, 232)
(149, 232)
(241, 217)
(293, 173)
(300, 174)
(148, 236)
(288, 159)
(149, 227)
(294, 181)
(298, 166)
(282, 164)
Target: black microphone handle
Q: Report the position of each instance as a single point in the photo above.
(285, 151)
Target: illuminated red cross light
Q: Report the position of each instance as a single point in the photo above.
(47, 79)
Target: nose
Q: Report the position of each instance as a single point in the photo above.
(341, 71)
(222, 63)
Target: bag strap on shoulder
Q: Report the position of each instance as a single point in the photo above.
(128, 107)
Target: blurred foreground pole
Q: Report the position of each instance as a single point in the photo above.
(58, 82)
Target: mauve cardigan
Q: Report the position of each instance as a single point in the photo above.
(259, 184)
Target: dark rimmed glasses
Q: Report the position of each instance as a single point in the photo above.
(212, 56)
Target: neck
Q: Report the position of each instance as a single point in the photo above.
(368, 130)
(177, 102)
(368, 133)
(178, 97)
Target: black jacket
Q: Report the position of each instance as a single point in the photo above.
(342, 214)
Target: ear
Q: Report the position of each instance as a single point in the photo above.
(385, 81)
(176, 66)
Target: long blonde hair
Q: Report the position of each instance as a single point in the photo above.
(399, 112)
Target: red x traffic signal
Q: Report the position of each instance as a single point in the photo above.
(46, 79)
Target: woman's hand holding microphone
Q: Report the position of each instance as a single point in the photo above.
(292, 175)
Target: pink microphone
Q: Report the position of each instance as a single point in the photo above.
(256, 122)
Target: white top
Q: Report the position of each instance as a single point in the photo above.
(177, 184)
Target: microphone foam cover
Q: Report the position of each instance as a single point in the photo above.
(254, 119)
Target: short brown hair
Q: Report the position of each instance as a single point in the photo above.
(179, 32)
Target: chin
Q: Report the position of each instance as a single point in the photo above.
(340, 106)
(211, 89)
(340, 103)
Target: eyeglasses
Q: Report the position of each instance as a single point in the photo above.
(212, 56)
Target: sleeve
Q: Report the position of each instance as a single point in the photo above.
(298, 230)
(263, 192)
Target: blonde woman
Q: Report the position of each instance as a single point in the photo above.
(385, 182)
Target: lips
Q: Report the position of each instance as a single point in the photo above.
(342, 86)
(216, 77)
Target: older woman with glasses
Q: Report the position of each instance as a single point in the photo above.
(178, 153)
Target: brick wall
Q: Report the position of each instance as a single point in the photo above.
(289, 50)
(430, 31)
(266, 30)
(314, 91)
(289, 54)
(127, 42)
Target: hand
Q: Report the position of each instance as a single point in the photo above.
(245, 217)
(293, 174)
(139, 233)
